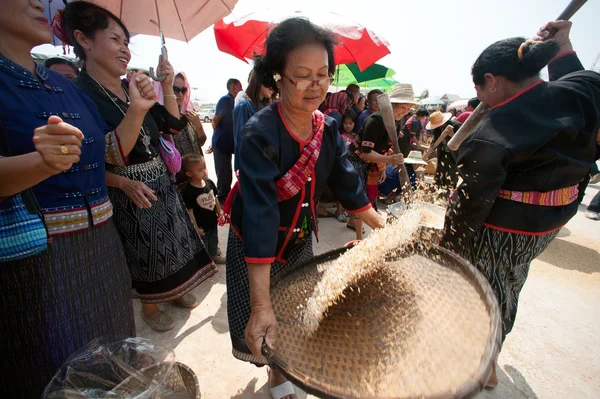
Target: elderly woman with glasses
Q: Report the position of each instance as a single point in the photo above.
(288, 152)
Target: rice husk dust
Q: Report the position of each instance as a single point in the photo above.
(364, 259)
(415, 327)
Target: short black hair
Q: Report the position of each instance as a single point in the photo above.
(87, 18)
(422, 112)
(232, 82)
(353, 88)
(349, 115)
(373, 93)
(473, 103)
(502, 59)
(61, 61)
(286, 37)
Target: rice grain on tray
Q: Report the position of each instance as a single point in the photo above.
(360, 261)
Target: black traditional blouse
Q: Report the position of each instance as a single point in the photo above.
(540, 140)
(157, 120)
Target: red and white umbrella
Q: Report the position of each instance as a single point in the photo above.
(246, 36)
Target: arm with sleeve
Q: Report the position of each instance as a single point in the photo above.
(260, 208)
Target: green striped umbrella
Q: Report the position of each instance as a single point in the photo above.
(346, 74)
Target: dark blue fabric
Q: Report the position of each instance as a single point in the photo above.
(241, 114)
(26, 103)
(337, 116)
(392, 180)
(267, 151)
(362, 118)
(223, 134)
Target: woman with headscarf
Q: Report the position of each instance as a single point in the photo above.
(523, 163)
(336, 105)
(192, 137)
(166, 257)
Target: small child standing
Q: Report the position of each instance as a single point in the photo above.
(200, 197)
(347, 128)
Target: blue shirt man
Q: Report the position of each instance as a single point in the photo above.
(372, 106)
(222, 140)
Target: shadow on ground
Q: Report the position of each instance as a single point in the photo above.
(220, 323)
(511, 384)
(560, 254)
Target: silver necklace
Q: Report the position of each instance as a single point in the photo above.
(143, 133)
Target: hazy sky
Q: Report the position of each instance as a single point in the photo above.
(433, 43)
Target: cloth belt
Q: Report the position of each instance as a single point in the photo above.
(560, 197)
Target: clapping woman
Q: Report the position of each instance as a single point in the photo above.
(166, 256)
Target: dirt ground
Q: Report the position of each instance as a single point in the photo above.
(553, 351)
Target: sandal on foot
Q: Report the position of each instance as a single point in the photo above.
(161, 324)
(342, 217)
(283, 390)
(187, 301)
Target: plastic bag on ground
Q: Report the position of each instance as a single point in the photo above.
(134, 368)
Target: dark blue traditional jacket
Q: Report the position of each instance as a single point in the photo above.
(269, 228)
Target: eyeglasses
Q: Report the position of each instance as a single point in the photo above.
(177, 90)
(305, 84)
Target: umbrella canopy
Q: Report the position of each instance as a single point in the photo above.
(459, 105)
(179, 19)
(380, 83)
(431, 101)
(246, 36)
(346, 74)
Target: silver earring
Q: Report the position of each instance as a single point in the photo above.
(493, 90)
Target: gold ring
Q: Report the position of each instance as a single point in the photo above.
(64, 150)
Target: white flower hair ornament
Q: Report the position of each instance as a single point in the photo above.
(277, 77)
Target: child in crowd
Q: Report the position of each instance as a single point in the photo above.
(349, 135)
(347, 129)
(200, 197)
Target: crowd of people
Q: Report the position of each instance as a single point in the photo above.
(85, 149)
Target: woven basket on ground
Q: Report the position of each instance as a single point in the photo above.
(181, 381)
(426, 325)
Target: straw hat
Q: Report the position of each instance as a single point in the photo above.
(408, 330)
(437, 119)
(415, 158)
(402, 93)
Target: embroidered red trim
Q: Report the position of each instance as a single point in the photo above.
(519, 94)
(289, 129)
(562, 55)
(364, 208)
(527, 233)
(259, 260)
(294, 222)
